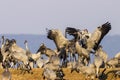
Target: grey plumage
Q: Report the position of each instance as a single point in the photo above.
(6, 75)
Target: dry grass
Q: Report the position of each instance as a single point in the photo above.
(37, 75)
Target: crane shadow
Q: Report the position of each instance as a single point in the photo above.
(110, 74)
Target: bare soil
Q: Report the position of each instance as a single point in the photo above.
(37, 74)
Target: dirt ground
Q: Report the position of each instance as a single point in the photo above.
(37, 75)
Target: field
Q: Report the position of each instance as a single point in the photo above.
(37, 75)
